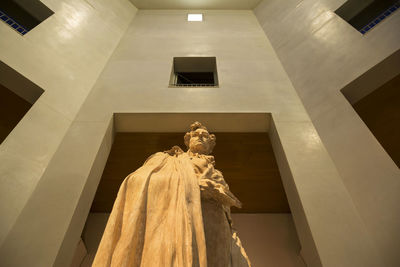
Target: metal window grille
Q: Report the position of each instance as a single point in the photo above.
(380, 18)
(13, 24)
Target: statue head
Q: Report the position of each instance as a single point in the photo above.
(199, 140)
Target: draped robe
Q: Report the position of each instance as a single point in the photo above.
(157, 217)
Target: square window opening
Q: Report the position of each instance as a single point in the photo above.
(194, 72)
(364, 15)
(23, 15)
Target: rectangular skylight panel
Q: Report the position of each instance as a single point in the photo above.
(195, 17)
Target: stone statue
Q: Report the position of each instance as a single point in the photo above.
(174, 211)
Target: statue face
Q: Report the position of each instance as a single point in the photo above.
(200, 142)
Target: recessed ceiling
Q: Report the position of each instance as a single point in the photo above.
(195, 4)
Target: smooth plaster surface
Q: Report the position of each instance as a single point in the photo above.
(57, 199)
(64, 56)
(18, 84)
(190, 5)
(270, 240)
(250, 75)
(252, 79)
(322, 53)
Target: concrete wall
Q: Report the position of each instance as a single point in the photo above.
(251, 79)
(53, 160)
(63, 55)
(270, 240)
(321, 54)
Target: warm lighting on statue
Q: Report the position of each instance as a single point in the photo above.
(174, 211)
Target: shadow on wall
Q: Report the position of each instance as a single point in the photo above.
(375, 96)
(17, 95)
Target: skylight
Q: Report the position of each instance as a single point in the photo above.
(195, 17)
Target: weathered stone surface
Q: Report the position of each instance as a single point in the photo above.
(174, 211)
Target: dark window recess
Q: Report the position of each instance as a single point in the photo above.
(194, 71)
(375, 96)
(380, 111)
(188, 78)
(17, 95)
(23, 15)
(366, 14)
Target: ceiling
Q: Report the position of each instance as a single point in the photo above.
(195, 4)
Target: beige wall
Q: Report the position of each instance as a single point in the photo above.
(63, 55)
(270, 240)
(136, 79)
(53, 160)
(321, 54)
(252, 79)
